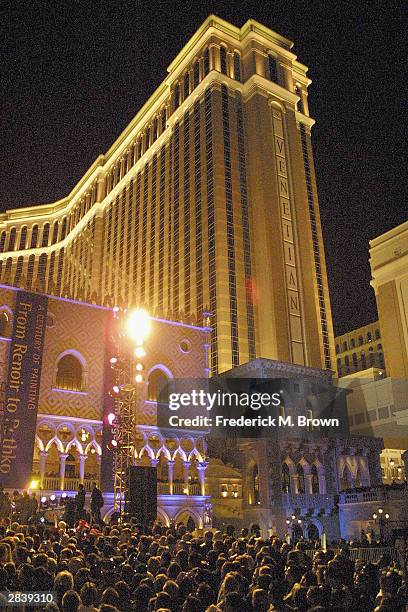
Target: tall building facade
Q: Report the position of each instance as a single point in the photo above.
(206, 201)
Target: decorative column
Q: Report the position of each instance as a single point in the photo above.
(201, 467)
(99, 461)
(186, 470)
(43, 460)
(82, 459)
(62, 458)
(216, 58)
(308, 484)
(170, 471)
(294, 483)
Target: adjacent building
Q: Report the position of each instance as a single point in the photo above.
(359, 350)
(389, 271)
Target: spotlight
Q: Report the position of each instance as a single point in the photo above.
(111, 418)
(287, 521)
(114, 443)
(113, 360)
(34, 485)
(140, 352)
(115, 309)
(138, 325)
(387, 516)
(64, 495)
(139, 378)
(293, 517)
(52, 497)
(115, 389)
(43, 500)
(139, 367)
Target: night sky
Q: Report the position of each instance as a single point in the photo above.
(74, 74)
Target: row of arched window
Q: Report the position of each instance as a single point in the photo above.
(300, 480)
(47, 270)
(357, 362)
(345, 346)
(19, 239)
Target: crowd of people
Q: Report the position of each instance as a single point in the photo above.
(24, 507)
(121, 567)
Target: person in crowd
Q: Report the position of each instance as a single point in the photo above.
(97, 503)
(80, 502)
(121, 567)
(5, 506)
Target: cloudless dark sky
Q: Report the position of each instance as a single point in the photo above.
(75, 72)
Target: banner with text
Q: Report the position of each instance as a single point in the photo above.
(17, 433)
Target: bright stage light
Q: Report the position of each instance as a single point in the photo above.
(139, 378)
(138, 325)
(115, 389)
(140, 352)
(43, 500)
(111, 418)
(113, 359)
(114, 443)
(34, 485)
(139, 367)
(52, 497)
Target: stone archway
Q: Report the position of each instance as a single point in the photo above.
(313, 532)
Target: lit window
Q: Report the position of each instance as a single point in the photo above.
(315, 481)
(273, 73)
(34, 237)
(64, 228)
(2, 241)
(12, 239)
(301, 478)
(196, 73)
(156, 384)
(206, 62)
(23, 238)
(177, 96)
(223, 60)
(186, 85)
(237, 67)
(55, 232)
(69, 373)
(255, 484)
(285, 478)
(45, 235)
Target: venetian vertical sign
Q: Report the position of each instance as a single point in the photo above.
(288, 235)
(17, 434)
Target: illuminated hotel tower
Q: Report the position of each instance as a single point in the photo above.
(206, 201)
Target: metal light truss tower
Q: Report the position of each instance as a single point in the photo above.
(128, 367)
(123, 453)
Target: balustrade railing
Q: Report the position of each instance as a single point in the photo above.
(53, 483)
(305, 500)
